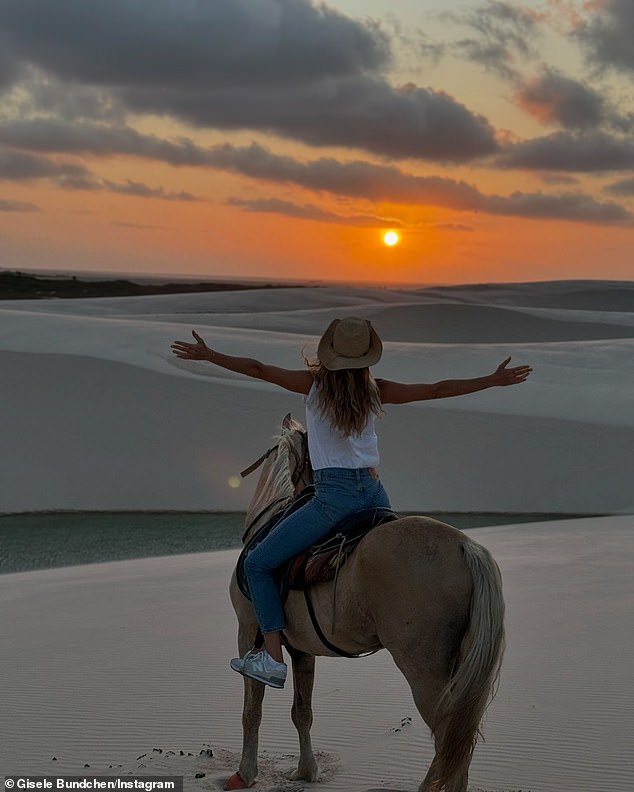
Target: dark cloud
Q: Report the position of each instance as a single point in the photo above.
(554, 98)
(204, 43)
(567, 151)
(83, 137)
(622, 187)
(608, 34)
(138, 226)
(423, 46)
(142, 190)
(7, 205)
(357, 178)
(558, 178)
(311, 212)
(138, 189)
(9, 69)
(503, 37)
(18, 166)
(453, 227)
(387, 183)
(295, 68)
(566, 206)
(359, 112)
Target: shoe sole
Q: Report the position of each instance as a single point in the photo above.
(265, 681)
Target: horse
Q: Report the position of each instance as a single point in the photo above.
(415, 586)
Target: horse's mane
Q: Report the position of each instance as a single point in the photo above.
(275, 488)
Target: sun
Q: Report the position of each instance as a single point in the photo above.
(391, 238)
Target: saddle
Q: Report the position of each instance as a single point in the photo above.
(322, 561)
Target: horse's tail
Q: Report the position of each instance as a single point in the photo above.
(459, 711)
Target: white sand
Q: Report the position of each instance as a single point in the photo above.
(97, 413)
(103, 664)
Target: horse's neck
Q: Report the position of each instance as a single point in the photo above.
(274, 491)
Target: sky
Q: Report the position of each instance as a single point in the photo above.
(281, 139)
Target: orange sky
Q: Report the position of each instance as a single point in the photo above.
(88, 180)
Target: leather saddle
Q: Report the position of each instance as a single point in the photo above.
(321, 561)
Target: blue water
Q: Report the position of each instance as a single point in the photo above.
(45, 540)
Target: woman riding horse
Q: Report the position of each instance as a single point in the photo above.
(343, 401)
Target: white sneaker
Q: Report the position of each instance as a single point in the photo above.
(258, 664)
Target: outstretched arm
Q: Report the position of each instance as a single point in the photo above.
(401, 392)
(298, 381)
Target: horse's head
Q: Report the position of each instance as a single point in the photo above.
(286, 471)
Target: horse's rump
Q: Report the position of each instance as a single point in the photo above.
(405, 579)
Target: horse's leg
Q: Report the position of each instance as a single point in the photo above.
(302, 713)
(251, 719)
(426, 682)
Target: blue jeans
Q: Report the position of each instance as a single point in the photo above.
(339, 492)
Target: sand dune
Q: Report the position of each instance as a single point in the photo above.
(566, 295)
(122, 666)
(99, 415)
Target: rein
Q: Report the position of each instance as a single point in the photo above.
(255, 465)
(300, 467)
(302, 461)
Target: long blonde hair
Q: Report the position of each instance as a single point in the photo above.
(347, 397)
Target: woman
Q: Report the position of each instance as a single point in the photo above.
(343, 401)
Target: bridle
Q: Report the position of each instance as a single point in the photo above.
(302, 463)
(302, 459)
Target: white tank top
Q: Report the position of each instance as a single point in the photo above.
(330, 448)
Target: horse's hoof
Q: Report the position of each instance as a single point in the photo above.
(236, 782)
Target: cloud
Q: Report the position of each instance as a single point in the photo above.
(566, 206)
(138, 226)
(553, 98)
(504, 34)
(357, 178)
(364, 180)
(141, 190)
(607, 34)
(9, 70)
(558, 178)
(292, 67)
(359, 112)
(622, 187)
(567, 151)
(311, 212)
(18, 166)
(87, 138)
(41, 93)
(453, 227)
(7, 205)
(206, 43)
(21, 167)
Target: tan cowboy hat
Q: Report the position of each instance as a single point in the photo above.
(349, 343)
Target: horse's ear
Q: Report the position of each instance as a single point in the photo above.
(287, 421)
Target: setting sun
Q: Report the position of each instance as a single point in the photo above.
(391, 238)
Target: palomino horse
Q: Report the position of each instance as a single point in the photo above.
(417, 587)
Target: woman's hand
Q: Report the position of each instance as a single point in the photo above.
(509, 376)
(197, 351)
